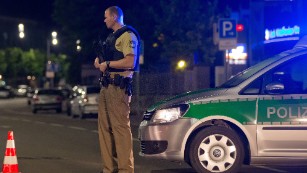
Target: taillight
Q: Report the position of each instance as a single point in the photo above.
(85, 99)
(35, 98)
(59, 98)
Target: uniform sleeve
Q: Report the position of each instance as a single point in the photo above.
(129, 43)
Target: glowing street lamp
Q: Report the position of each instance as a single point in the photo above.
(54, 41)
(181, 65)
(49, 71)
(21, 35)
(21, 28)
(54, 38)
(78, 42)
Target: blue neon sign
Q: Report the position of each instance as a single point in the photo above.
(282, 32)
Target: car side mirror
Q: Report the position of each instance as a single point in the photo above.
(274, 88)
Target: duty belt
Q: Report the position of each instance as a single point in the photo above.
(118, 80)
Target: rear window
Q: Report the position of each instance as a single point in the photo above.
(3, 88)
(50, 92)
(92, 90)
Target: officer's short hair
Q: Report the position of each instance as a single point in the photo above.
(117, 11)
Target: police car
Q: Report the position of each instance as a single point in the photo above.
(257, 117)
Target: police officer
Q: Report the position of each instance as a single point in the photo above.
(120, 61)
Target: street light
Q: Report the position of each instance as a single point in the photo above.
(54, 38)
(54, 42)
(21, 30)
(78, 42)
(48, 64)
(181, 65)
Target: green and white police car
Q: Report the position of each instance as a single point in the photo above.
(257, 117)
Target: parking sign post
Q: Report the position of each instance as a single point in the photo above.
(227, 38)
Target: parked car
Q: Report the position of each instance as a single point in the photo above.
(257, 117)
(85, 101)
(21, 90)
(6, 92)
(46, 99)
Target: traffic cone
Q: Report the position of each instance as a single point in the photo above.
(10, 164)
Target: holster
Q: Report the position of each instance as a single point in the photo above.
(104, 81)
(118, 80)
(128, 86)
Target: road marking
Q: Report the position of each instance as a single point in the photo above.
(77, 128)
(94, 131)
(5, 126)
(15, 119)
(271, 169)
(56, 125)
(45, 123)
(25, 120)
(40, 122)
(20, 113)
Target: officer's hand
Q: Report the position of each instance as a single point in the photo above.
(96, 63)
(103, 66)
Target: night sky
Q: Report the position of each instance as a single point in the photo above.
(39, 10)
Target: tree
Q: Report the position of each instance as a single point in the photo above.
(184, 28)
(78, 20)
(16, 64)
(170, 29)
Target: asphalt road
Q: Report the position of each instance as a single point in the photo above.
(48, 142)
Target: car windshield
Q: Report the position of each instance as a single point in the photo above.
(242, 76)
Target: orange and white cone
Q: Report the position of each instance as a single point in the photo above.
(10, 164)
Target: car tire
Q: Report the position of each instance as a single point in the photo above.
(216, 149)
(58, 110)
(73, 115)
(68, 111)
(82, 116)
(34, 111)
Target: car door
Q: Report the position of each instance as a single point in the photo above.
(282, 110)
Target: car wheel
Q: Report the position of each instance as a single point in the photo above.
(58, 110)
(74, 115)
(68, 111)
(216, 149)
(82, 115)
(34, 111)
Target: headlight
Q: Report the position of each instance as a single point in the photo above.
(169, 114)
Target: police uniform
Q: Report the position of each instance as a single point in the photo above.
(113, 117)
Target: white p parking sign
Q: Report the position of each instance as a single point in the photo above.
(227, 28)
(227, 34)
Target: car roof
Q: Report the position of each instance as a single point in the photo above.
(302, 43)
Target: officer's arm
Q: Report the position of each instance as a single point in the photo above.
(126, 63)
